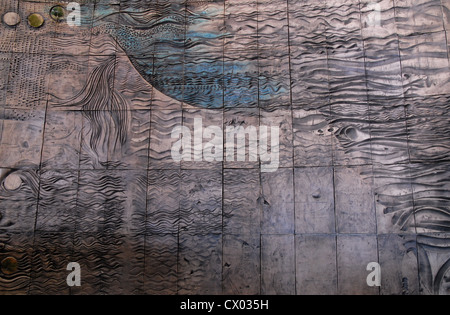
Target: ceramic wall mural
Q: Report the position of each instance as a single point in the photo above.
(94, 96)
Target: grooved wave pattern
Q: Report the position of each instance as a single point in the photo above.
(360, 91)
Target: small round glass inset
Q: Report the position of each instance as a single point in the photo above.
(11, 18)
(9, 266)
(35, 20)
(12, 182)
(58, 13)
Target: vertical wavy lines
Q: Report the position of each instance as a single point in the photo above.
(98, 97)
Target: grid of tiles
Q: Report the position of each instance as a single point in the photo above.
(359, 89)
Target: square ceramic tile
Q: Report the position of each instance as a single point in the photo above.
(277, 265)
(425, 64)
(241, 202)
(57, 201)
(314, 200)
(225, 147)
(200, 264)
(355, 200)
(19, 193)
(21, 142)
(399, 265)
(433, 260)
(278, 204)
(52, 253)
(319, 253)
(354, 254)
(16, 257)
(242, 266)
(312, 138)
(418, 16)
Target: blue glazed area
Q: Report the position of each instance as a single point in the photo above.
(180, 51)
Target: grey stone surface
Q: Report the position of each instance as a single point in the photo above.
(277, 264)
(49, 262)
(312, 137)
(200, 264)
(398, 260)
(201, 202)
(358, 89)
(23, 144)
(242, 264)
(62, 140)
(281, 118)
(162, 124)
(394, 200)
(354, 199)
(314, 202)
(319, 253)
(433, 263)
(354, 253)
(161, 268)
(277, 202)
(241, 202)
(57, 207)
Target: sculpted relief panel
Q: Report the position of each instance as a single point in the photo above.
(237, 147)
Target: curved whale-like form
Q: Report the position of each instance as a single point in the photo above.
(179, 50)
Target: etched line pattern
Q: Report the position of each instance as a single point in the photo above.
(359, 89)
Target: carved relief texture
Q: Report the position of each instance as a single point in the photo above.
(360, 91)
